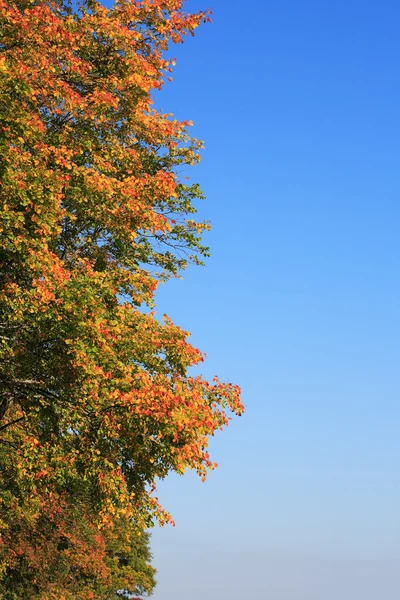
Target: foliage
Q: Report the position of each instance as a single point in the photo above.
(52, 549)
(96, 398)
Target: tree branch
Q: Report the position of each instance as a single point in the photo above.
(11, 423)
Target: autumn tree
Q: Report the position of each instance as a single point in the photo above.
(54, 549)
(96, 396)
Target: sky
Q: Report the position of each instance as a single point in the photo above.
(298, 103)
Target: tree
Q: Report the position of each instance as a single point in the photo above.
(96, 396)
(52, 549)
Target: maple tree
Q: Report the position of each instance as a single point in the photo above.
(96, 396)
(52, 548)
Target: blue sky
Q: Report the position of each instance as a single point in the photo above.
(298, 103)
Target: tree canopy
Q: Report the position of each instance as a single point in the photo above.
(96, 397)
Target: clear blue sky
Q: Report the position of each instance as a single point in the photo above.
(298, 102)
